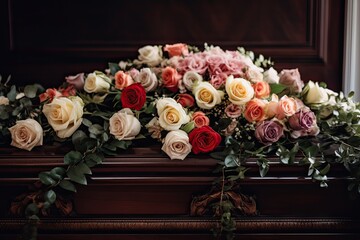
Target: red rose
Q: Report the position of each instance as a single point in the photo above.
(186, 100)
(133, 96)
(204, 139)
(170, 78)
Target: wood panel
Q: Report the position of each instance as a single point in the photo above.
(46, 41)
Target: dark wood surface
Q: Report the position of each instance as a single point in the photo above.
(45, 41)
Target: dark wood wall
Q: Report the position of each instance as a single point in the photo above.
(43, 41)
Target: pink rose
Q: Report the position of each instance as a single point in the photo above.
(186, 100)
(171, 78)
(291, 79)
(286, 107)
(200, 119)
(177, 49)
(268, 132)
(303, 123)
(122, 80)
(78, 80)
(194, 63)
(233, 110)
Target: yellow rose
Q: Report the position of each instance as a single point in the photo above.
(171, 114)
(124, 125)
(64, 115)
(316, 94)
(26, 134)
(207, 96)
(239, 90)
(97, 82)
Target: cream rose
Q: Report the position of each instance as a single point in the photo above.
(176, 145)
(171, 114)
(271, 76)
(4, 100)
(190, 78)
(124, 125)
(97, 82)
(207, 96)
(64, 115)
(26, 134)
(147, 79)
(154, 128)
(316, 94)
(239, 90)
(150, 55)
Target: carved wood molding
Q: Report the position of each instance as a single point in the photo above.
(181, 224)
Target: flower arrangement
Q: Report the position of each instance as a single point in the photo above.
(189, 101)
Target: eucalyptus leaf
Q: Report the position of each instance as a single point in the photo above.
(86, 122)
(57, 173)
(12, 93)
(30, 91)
(114, 68)
(67, 185)
(50, 196)
(231, 161)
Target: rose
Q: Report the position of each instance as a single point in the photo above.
(64, 115)
(255, 110)
(124, 125)
(230, 129)
(176, 144)
(190, 78)
(204, 139)
(291, 79)
(195, 63)
(171, 114)
(315, 94)
(49, 94)
(133, 96)
(170, 78)
(122, 80)
(154, 128)
(186, 100)
(286, 107)
(133, 72)
(97, 82)
(26, 134)
(271, 108)
(253, 74)
(207, 96)
(147, 79)
(233, 111)
(271, 76)
(302, 120)
(268, 132)
(200, 119)
(261, 89)
(239, 90)
(4, 100)
(177, 49)
(77, 80)
(68, 91)
(150, 55)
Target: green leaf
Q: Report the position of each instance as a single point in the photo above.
(78, 140)
(188, 127)
(3, 113)
(121, 144)
(277, 88)
(96, 129)
(83, 168)
(76, 176)
(30, 91)
(50, 196)
(114, 67)
(12, 94)
(93, 159)
(57, 173)
(86, 122)
(67, 185)
(72, 157)
(45, 178)
(231, 161)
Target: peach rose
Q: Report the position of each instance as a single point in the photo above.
(26, 134)
(286, 107)
(177, 49)
(171, 78)
(272, 106)
(261, 89)
(122, 80)
(255, 110)
(200, 119)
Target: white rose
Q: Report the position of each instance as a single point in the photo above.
(97, 83)
(271, 76)
(176, 145)
(150, 55)
(26, 134)
(190, 78)
(154, 128)
(254, 75)
(147, 79)
(207, 96)
(64, 115)
(171, 114)
(124, 125)
(4, 100)
(239, 90)
(316, 94)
